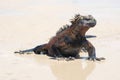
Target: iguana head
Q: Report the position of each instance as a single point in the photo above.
(84, 21)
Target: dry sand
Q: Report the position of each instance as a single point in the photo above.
(27, 23)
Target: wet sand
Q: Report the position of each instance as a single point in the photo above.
(25, 24)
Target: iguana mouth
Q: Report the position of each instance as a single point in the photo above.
(92, 23)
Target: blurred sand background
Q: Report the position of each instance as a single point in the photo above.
(27, 23)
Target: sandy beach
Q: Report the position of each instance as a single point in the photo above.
(25, 24)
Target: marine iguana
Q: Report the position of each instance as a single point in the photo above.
(69, 40)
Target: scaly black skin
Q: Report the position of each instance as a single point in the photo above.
(68, 42)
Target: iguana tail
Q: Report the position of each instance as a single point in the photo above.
(24, 51)
(41, 49)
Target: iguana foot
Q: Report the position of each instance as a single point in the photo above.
(96, 59)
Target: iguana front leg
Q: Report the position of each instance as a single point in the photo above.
(91, 51)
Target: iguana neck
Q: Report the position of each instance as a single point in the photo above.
(83, 30)
(80, 30)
